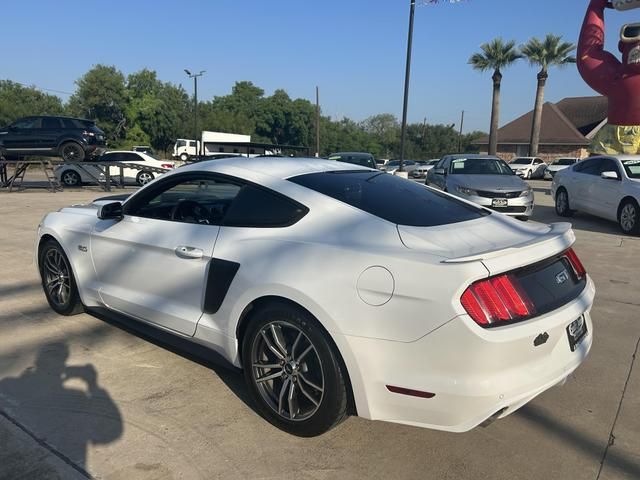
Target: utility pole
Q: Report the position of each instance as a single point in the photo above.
(407, 76)
(424, 132)
(460, 135)
(195, 76)
(317, 121)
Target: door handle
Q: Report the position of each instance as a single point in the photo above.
(184, 251)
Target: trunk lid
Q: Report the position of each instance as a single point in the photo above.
(499, 242)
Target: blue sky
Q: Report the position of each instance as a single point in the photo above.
(353, 49)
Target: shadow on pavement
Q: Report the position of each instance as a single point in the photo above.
(67, 418)
(592, 447)
(580, 221)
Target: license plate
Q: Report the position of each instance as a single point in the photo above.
(576, 331)
(499, 202)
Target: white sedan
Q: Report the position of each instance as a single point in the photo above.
(528, 167)
(75, 174)
(605, 186)
(333, 296)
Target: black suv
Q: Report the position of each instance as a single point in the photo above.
(73, 139)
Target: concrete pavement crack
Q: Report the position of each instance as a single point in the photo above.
(612, 437)
(46, 446)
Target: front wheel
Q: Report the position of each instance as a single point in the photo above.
(562, 203)
(528, 175)
(184, 157)
(58, 282)
(144, 177)
(293, 373)
(629, 218)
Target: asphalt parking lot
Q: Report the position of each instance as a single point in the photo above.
(88, 397)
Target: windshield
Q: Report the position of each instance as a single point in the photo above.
(479, 166)
(564, 161)
(521, 161)
(632, 167)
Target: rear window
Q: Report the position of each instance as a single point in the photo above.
(75, 123)
(389, 197)
(257, 207)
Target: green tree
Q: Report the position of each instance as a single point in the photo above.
(18, 101)
(386, 129)
(101, 95)
(496, 55)
(546, 53)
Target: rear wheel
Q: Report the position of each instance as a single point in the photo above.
(184, 157)
(144, 177)
(71, 178)
(562, 203)
(58, 282)
(72, 152)
(629, 217)
(528, 175)
(293, 372)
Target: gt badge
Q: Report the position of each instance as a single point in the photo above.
(82, 248)
(562, 277)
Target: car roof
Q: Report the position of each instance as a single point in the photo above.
(277, 167)
(471, 156)
(619, 157)
(352, 153)
(60, 116)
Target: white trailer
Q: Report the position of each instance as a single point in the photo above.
(213, 143)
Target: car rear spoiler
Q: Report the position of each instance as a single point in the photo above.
(559, 238)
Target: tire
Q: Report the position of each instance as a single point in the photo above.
(629, 217)
(308, 370)
(57, 278)
(71, 152)
(562, 203)
(144, 177)
(528, 175)
(184, 157)
(71, 178)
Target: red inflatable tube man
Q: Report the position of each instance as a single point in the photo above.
(618, 81)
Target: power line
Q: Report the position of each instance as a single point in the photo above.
(41, 88)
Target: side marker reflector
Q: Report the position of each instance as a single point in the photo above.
(411, 393)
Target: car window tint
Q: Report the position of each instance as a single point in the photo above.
(389, 197)
(108, 157)
(192, 144)
(609, 165)
(589, 167)
(27, 123)
(258, 207)
(52, 123)
(131, 157)
(201, 200)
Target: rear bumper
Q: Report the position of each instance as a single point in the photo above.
(473, 372)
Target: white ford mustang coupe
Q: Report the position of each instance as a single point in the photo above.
(336, 288)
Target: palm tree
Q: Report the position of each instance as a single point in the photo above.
(496, 55)
(550, 52)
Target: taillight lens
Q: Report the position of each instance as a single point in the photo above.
(576, 263)
(497, 299)
(167, 165)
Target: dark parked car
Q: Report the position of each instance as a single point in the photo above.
(73, 139)
(356, 158)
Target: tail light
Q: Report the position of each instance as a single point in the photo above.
(576, 263)
(167, 165)
(497, 299)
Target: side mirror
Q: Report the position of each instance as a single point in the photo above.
(439, 171)
(609, 175)
(110, 211)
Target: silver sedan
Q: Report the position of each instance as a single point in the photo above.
(485, 180)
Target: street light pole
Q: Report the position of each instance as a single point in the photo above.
(195, 105)
(407, 76)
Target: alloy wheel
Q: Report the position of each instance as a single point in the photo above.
(70, 178)
(71, 152)
(144, 178)
(57, 280)
(287, 371)
(628, 217)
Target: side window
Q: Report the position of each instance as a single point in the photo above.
(51, 123)
(107, 157)
(589, 167)
(181, 143)
(538, 161)
(27, 123)
(259, 207)
(203, 201)
(131, 157)
(440, 164)
(609, 165)
(192, 143)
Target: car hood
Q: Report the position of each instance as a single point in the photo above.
(498, 241)
(507, 183)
